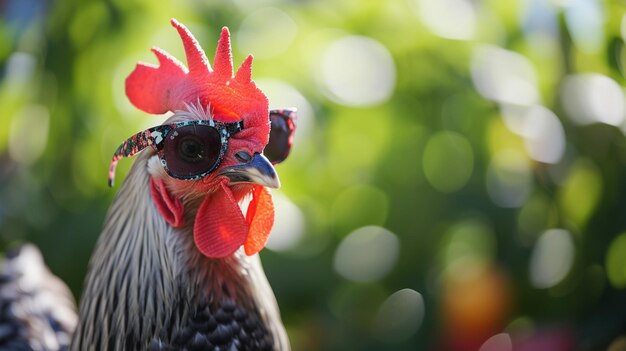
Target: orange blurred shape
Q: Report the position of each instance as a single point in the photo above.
(476, 303)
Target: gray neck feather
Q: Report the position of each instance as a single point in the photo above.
(142, 271)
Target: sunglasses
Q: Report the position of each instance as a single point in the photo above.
(283, 126)
(191, 150)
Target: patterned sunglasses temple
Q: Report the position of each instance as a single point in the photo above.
(155, 136)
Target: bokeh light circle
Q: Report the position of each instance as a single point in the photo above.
(581, 191)
(448, 161)
(544, 135)
(591, 98)
(498, 342)
(289, 224)
(400, 316)
(504, 76)
(476, 299)
(367, 254)
(28, 134)
(616, 262)
(358, 71)
(465, 241)
(19, 70)
(585, 22)
(452, 19)
(267, 32)
(552, 258)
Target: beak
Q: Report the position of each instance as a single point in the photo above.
(259, 171)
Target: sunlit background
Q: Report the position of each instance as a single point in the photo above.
(458, 179)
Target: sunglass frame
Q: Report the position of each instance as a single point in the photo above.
(155, 137)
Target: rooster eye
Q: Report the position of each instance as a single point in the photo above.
(191, 149)
(243, 157)
(194, 150)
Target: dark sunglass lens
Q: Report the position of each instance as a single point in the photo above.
(195, 149)
(279, 145)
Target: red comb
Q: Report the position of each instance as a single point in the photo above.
(168, 86)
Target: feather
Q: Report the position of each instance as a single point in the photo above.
(37, 310)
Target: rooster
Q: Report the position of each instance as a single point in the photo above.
(176, 265)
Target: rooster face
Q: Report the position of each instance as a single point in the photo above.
(203, 148)
(209, 153)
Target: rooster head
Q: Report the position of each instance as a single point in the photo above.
(209, 153)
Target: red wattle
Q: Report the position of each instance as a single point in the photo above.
(170, 207)
(220, 228)
(260, 217)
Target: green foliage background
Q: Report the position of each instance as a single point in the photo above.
(418, 164)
